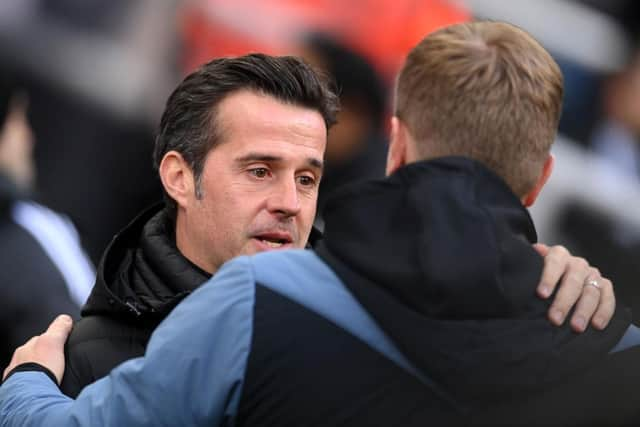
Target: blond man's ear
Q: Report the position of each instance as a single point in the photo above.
(398, 144)
(530, 198)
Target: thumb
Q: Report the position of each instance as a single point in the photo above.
(541, 248)
(60, 328)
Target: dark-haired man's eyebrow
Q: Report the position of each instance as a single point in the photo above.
(262, 157)
(258, 157)
(316, 163)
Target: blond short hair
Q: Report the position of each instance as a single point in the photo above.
(485, 90)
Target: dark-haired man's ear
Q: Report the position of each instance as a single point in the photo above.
(530, 198)
(177, 178)
(398, 143)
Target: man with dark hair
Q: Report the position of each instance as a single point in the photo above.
(240, 156)
(421, 298)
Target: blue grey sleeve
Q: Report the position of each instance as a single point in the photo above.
(191, 374)
(631, 338)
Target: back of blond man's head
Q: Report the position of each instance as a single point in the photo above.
(485, 90)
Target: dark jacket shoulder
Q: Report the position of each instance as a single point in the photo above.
(96, 345)
(142, 276)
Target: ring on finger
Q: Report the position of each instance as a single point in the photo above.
(592, 282)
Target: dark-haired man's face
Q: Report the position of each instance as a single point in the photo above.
(259, 185)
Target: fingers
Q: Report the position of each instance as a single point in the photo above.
(46, 349)
(588, 302)
(570, 290)
(60, 328)
(49, 347)
(541, 248)
(607, 305)
(556, 260)
(595, 305)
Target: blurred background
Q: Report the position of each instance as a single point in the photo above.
(95, 75)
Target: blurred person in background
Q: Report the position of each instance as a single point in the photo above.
(608, 125)
(617, 137)
(43, 268)
(389, 338)
(356, 145)
(611, 243)
(98, 74)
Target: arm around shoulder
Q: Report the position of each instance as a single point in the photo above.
(191, 374)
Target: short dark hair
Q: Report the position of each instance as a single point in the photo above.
(188, 124)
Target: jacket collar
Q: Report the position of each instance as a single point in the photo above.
(142, 273)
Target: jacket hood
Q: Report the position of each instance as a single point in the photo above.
(142, 274)
(441, 255)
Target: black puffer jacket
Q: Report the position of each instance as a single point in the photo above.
(141, 277)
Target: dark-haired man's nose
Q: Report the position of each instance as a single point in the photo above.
(285, 199)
